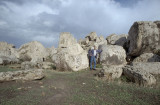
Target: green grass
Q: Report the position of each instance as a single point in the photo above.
(6, 69)
(99, 66)
(99, 93)
(24, 99)
(79, 88)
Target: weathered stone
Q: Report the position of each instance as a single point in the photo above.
(139, 76)
(30, 65)
(111, 39)
(144, 37)
(71, 62)
(92, 40)
(5, 60)
(8, 60)
(112, 72)
(92, 36)
(21, 75)
(33, 51)
(73, 49)
(51, 51)
(114, 39)
(3, 45)
(147, 57)
(47, 65)
(150, 67)
(36, 65)
(99, 41)
(1, 61)
(112, 55)
(71, 57)
(66, 39)
(100, 73)
(83, 41)
(8, 51)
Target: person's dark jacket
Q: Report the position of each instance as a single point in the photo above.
(91, 52)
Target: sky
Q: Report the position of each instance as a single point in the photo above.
(22, 21)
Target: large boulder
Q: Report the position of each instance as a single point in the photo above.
(72, 49)
(33, 51)
(4, 45)
(48, 65)
(92, 40)
(8, 51)
(100, 40)
(147, 57)
(112, 55)
(5, 60)
(22, 75)
(114, 39)
(150, 67)
(139, 76)
(51, 51)
(144, 37)
(70, 62)
(112, 72)
(84, 41)
(30, 65)
(36, 65)
(66, 39)
(71, 57)
(92, 36)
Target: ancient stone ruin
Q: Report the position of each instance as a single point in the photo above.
(70, 55)
(136, 55)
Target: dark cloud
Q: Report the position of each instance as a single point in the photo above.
(128, 3)
(19, 2)
(22, 21)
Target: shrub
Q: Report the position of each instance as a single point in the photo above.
(53, 67)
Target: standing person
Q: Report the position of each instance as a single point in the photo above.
(93, 57)
(90, 54)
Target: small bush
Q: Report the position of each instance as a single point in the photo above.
(124, 79)
(99, 66)
(49, 58)
(53, 67)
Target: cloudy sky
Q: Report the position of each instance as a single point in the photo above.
(22, 21)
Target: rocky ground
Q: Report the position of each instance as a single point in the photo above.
(76, 88)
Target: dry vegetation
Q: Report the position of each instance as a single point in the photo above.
(76, 88)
